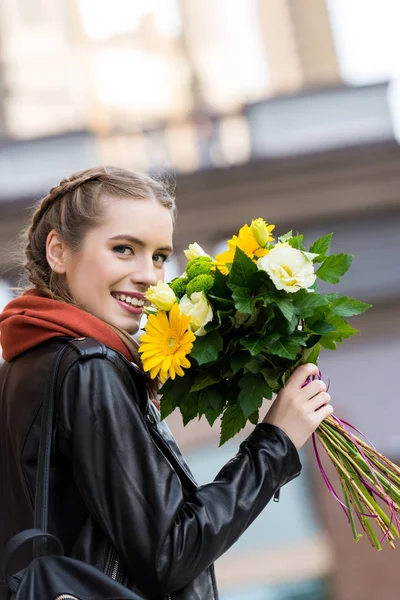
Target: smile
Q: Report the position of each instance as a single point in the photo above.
(132, 304)
(132, 300)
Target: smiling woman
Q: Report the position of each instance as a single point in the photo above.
(121, 497)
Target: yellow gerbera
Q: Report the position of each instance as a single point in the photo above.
(246, 242)
(166, 343)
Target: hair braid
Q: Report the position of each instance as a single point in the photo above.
(66, 185)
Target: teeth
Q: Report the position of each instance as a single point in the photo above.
(130, 300)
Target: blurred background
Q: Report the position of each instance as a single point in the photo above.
(285, 109)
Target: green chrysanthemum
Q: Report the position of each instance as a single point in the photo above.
(199, 266)
(201, 283)
(178, 286)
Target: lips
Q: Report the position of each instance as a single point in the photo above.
(131, 299)
(132, 302)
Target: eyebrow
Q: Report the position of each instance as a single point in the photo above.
(135, 240)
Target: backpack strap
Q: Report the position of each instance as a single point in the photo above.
(88, 347)
(19, 540)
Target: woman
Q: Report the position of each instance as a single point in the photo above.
(122, 497)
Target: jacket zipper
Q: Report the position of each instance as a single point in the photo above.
(115, 569)
(112, 567)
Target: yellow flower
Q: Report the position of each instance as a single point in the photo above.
(166, 343)
(246, 242)
(261, 231)
(161, 295)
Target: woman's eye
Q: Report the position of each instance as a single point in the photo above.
(123, 250)
(160, 258)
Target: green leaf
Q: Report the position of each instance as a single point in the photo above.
(334, 266)
(311, 355)
(253, 389)
(285, 348)
(348, 307)
(265, 298)
(220, 288)
(233, 420)
(287, 308)
(203, 380)
(342, 331)
(202, 405)
(272, 377)
(173, 392)
(210, 398)
(297, 242)
(254, 343)
(321, 246)
(211, 415)
(307, 303)
(242, 271)
(221, 303)
(190, 407)
(286, 236)
(321, 327)
(205, 348)
(240, 319)
(211, 404)
(255, 365)
(254, 417)
(224, 317)
(243, 300)
(239, 360)
(342, 327)
(167, 405)
(328, 343)
(281, 324)
(332, 296)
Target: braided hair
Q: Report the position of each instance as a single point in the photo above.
(73, 207)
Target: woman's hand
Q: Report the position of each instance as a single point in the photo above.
(299, 410)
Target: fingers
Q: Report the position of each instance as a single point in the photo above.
(318, 401)
(312, 389)
(321, 414)
(300, 375)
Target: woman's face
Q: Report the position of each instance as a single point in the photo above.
(120, 259)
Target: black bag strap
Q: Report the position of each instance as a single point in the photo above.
(46, 438)
(86, 348)
(13, 546)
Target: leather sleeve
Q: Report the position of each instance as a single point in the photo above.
(135, 494)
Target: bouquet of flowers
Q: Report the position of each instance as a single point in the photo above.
(232, 329)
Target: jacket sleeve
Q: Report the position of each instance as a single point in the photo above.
(133, 491)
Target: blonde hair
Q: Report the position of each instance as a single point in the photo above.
(73, 207)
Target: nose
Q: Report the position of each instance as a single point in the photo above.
(145, 273)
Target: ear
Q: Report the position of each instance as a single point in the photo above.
(56, 252)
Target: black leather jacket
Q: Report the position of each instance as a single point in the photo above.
(121, 496)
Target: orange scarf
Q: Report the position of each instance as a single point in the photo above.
(32, 319)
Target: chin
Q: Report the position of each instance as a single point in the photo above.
(130, 328)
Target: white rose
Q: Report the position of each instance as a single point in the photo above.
(161, 295)
(194, 251)
(289, 268)
(198, 309)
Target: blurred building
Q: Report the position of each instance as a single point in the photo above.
(246, 105)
